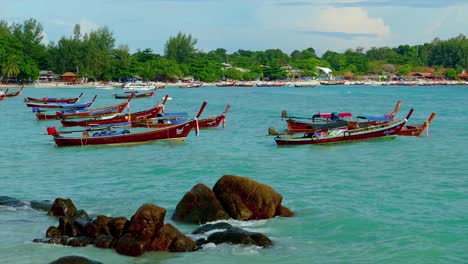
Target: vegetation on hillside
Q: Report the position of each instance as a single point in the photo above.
(94, 55)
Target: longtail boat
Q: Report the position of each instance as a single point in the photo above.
(326, 120)
(53, 100)
(339, 135)
(174, 132)
(48, 105)
(168, 119)
(132, 117)
(225, 84)
(162, 120)
(109, 111)
(3, 94)
(126, 95)
(15, 94)
(417, 129)
(214, 121)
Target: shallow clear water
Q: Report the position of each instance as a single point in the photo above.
(382, 201)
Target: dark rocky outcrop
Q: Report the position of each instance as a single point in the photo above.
(147, 220)
(237, 236)
(132, 245)
(199, 205)
(170, 239)
(209, 227)
(104, 241)
(145, 231)
(74, 260)
(246, 199)
(41, 205)
(62, 207)
(10, 201)
(232, 196)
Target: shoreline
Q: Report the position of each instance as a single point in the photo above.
(305, 84)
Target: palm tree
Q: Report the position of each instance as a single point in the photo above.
(11, 69)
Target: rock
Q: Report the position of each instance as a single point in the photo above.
(81, 241)
(41, 205)
(246, 199)
(62, 207)
(74, 260)
(67, 226)
(132, 245)
(208, 227)
(118, 226)
(53, 231)
(199, 206)
(82, 214)
(147, 220)
(168, 238)
(285, 212)
(59, 240)
(104, 241)
(239, 236)
(10, 201)
(98, 226)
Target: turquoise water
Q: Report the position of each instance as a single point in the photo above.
(382, 201)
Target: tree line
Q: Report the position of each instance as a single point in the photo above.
(95, 56)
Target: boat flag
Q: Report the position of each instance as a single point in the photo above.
(52, 130)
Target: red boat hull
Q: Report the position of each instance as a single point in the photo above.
(15, 94)
(377, 131)
(53, 100)
(389, 131)
(179, 132)
(143, 115)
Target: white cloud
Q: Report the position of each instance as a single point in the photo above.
(350, 20)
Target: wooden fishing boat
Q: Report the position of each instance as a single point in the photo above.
(318, 121)
(244, 84)
(174, 132)
(15, 94)
(345, 135)
(53, 100)
(132, 117)
(211, 122)
(417, 129)
(168, 119)
(109, 111)
(126, 95)
(162, 120)
(309, 85)
(54, 105)
(3, 94)
(225, 84)
(332, 82)
(329, 120)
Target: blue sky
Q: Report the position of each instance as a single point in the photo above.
(251, 24)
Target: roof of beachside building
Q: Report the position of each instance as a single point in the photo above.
(420, 74)
(68, 74)
(463, 75)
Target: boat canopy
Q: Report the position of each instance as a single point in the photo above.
(375, 118)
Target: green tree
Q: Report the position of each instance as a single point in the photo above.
(11, 68)
(180, 48)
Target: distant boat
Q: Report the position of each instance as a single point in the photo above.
(305, 84)
(104, 87)
(332, 82)
(193, 85)
(138, 86)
